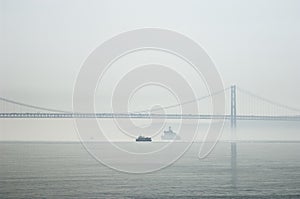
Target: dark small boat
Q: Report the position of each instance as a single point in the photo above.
(143, 139)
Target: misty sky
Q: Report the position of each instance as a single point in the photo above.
(254, 44)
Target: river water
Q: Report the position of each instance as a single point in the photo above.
(66, 170)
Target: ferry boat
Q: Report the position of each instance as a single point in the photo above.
(170, 135)
(143, 139)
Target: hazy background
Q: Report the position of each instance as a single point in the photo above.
(254, 44)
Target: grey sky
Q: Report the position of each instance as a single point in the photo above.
(254, 44)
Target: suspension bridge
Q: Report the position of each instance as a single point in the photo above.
(244, 105)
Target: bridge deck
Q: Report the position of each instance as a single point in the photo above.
(146, 116)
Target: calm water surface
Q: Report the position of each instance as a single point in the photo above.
(66, 170)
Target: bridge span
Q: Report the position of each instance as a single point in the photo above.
(245, 106)
(147, 116)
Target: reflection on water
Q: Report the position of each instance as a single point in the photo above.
(234, 164)
(66, 170)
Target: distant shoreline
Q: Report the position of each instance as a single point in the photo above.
(78, 142)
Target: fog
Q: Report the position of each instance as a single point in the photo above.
(43, 44)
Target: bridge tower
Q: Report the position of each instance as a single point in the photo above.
(233, 135)
(233, 106)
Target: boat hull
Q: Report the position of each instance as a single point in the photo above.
(146, 139)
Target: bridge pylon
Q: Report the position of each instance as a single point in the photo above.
(233, 135)
(233, 106)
